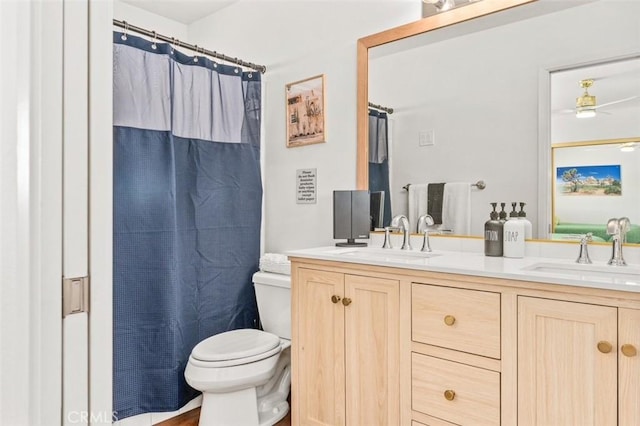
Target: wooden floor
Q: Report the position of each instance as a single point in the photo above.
(190, 418)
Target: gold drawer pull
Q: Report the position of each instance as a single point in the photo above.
(604, 347)
(335, 299)
(346, 301)
(449, 320)
(629, 350)
(449, 395)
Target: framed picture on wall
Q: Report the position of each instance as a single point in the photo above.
(589, 180)
(306, 112)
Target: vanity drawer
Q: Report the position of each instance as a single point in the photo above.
(455, 392)
(454, 318)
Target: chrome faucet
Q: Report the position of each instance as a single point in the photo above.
(583, 257)
(618, 229)
(402, 223)
(424, 222)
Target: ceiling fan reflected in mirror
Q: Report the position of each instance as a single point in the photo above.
(629, 146)
(444, 5)
(586, 105)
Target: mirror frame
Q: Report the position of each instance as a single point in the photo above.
(430, 23)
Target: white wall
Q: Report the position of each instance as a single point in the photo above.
(479, 94)
(141, 18)
(297, 40)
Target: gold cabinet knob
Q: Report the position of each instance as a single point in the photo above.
(604, 347)
(449, 320)
(335, 299)
(629, 350)
(346, 301)
(449, 395)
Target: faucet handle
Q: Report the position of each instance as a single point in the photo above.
(583, 256)
(387, 237)
(426, 246)
(586, 238)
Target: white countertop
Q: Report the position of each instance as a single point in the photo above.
(548, 270)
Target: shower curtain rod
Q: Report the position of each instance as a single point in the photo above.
(381, 108)
(177, 43)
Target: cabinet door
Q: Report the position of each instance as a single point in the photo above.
(629, 367)
(567, 363)
(372, 351)
(321, 348)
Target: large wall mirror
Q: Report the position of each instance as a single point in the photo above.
(484, 91)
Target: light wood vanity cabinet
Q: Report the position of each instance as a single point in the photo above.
(345, 349)
(391, 346)
(577, 363)
(455, 331)
(459, 319)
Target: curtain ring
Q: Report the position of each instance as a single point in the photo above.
(126, 28)
(236, 68)
(195, 57)
(173, 40)
(250, 75)
(155, 38)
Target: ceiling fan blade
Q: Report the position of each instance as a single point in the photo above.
(619, 101)
(564, 111)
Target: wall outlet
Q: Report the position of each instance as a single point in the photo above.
(426, 138)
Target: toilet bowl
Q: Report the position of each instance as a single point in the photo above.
(245, 375)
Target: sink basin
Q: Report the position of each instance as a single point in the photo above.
(383, 255)
(625, 273)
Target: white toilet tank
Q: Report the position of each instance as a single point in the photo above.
(273, 294)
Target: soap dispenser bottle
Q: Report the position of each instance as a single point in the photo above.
(513, 235)
(528, 228)
(493, 238)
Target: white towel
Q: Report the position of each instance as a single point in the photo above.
(456, 207)
(417, 203)
(276, 263)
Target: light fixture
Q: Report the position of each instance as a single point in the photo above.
(586, 104)
(441, 5)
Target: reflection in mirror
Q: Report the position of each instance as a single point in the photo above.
(592, 180)
(595, 181)
(379, 162)
(472, 101)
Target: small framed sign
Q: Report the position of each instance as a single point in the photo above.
(306, 186)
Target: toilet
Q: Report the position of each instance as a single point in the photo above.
(245, 375)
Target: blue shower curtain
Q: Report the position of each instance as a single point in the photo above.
(379, 159)
(187, 214)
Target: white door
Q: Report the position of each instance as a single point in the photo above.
(31, 212)
(87, 223)
(52, 222)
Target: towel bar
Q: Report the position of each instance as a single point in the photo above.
(479, 184)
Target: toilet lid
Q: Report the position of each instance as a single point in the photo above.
(235, 344)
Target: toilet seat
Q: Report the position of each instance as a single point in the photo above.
(235, 347)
